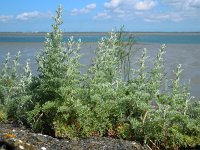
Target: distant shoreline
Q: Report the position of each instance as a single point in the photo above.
(95, 33)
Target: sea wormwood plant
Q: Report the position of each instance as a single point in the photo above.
(51, 70)
(9, 82)
(105, 75)
(9, 78)
(57, 82)
(23, 101)
(166, 126)
(106, 88)
(14, 83)
(106, 102)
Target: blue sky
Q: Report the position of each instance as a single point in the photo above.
(101, 15)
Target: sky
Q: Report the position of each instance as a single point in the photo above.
(101, 15)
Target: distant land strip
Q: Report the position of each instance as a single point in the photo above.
(94, 33)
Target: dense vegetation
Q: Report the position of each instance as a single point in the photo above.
(111, 99)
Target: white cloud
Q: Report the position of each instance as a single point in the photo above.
(196, 2)
(137, 4)
(31, 15)
(174, 2)
(163, 17)
(145, 5)
(91, 6)
(119, 9)
(74, 11)
(102, 16)
(185, 8)
(117, 3)
(122, 14)
(150, 10)
(4, 18)
(113, 3)
(88, 8)
(184, 5)
(125, 9)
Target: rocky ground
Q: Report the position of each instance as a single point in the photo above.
(22, 138)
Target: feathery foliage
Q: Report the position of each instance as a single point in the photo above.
(112, 99)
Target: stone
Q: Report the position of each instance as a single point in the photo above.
(28, 140)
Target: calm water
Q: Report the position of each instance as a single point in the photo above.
(181, 49)
(171, 38)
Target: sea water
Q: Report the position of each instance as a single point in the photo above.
(170, 38)
(181, 48)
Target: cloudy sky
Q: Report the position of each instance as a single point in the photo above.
(101, 15)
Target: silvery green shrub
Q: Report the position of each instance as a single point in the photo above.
(57, 81)
(111, 99)
(14, 82)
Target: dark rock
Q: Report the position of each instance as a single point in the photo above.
(21, 137)
(6, 146)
